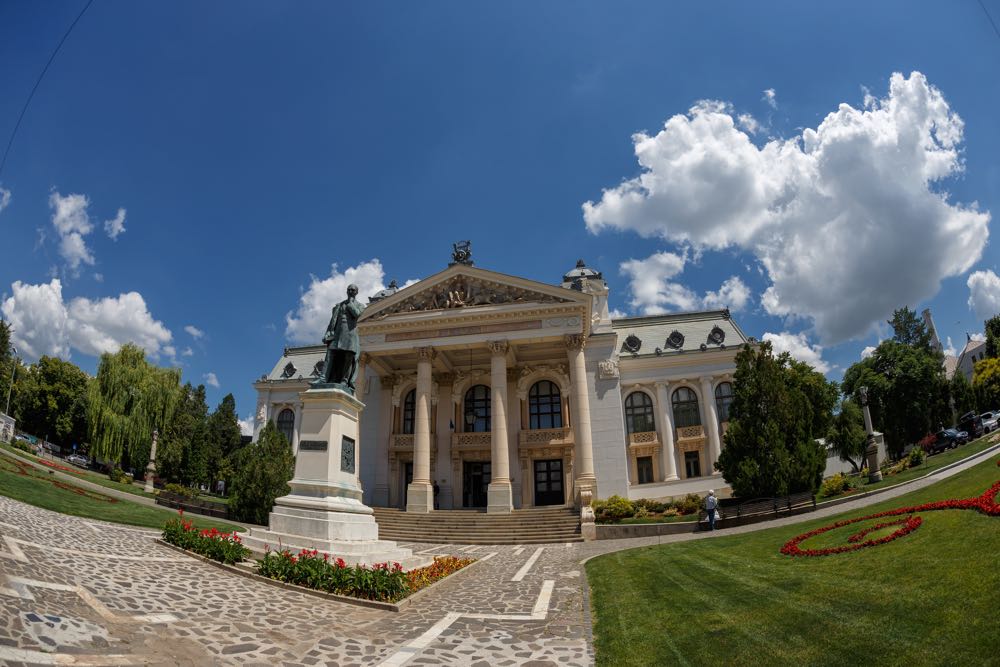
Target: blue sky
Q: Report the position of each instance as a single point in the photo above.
(254, 145)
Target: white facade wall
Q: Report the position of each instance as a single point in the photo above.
(606, 419)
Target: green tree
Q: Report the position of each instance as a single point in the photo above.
(847, 434)
(962, 395)
(262, 472)
(223, 437)
(986, 382)
(183, 456)
(52, 401)
(907, 389)
(127, 400)
(7, 364)
(909, 329)
(991, 328)
(771, 449)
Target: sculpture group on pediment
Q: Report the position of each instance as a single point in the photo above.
(463, 292)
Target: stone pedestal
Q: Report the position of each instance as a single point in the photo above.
(324, 510)
(499, 498)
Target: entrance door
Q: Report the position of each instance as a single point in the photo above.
(549, 482)
(475, 478)
(407, 478)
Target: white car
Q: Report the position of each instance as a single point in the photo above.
(990, 421)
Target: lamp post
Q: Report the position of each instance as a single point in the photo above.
(151, 466)
(874, 474)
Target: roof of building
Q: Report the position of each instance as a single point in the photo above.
(298, 363)
(677, 333)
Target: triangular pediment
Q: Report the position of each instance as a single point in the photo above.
(463, 287)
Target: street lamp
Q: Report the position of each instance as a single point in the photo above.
(874, 474)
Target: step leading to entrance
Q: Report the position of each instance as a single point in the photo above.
(525, 526)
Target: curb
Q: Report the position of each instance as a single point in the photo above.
(245, 571)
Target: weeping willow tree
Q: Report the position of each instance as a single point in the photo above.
(127, 400)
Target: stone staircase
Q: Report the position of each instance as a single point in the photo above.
(526, 526)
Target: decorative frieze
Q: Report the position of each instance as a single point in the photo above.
(498, 348)
(575, 341)
(608, 369)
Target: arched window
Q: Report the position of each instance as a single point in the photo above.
(723, 399)
(686, 412)
(639, 413)
(477, 409)
(544, 406)
(286, 424)
(409, 409)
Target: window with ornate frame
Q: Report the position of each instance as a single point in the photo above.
(686, 412)
(286, 424)
(544, 405)
(723, 399)
(639, 413)
(477, 409)
(409, 410)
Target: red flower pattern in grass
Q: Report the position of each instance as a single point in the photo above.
(985, 504)
(25, 469)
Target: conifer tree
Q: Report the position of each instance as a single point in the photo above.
(262, 472)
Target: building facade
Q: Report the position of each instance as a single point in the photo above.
(500, 392)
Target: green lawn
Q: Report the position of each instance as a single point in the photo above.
(28, 484)
(929, 598)
(90, 476)
(930, 464)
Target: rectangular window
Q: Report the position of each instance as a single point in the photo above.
(692, 464)
(644, 466)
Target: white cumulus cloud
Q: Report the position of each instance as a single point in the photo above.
(984, 294)
(194, 331)
(187, 352)
(655, 290)
(45, 325)
(797, 345)
(853, 203)
(116, 225)
(4, 198)
(246, 425)
(72, 224)
(870, 350)
(307, 324)
(211, 379)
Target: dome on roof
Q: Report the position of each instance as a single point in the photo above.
(381, 294)
(582, 271)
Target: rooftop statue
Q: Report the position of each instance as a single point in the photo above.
(340, 367)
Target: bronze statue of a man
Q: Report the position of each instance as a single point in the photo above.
(342, 345)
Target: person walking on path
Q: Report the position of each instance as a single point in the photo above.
(710, 504)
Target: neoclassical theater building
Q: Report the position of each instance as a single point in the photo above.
(484, 390)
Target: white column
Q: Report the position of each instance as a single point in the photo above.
(584, 463)
(712, 417)
(420, 493)
(380, 497)
(667, 456)
(499, 493)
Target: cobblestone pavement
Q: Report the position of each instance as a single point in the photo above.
(80, 592)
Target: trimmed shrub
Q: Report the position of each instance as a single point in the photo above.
(119, 475)
(834, 486)
(916, 457)
(613, 510)
(180, 490)
(689, 504)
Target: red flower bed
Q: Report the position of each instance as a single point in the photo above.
(59, 467)
(985, 504)
(25, 469)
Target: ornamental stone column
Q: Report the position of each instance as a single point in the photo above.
(151, 466)
(712, 417)
(499, 494)
(584, 464)
(667, 456)
(420, 492)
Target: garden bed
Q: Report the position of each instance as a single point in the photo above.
(247, 570)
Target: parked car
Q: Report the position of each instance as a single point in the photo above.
(972, 424)
(989, 421)
(963, 437)
(79, 459)
(947, 438)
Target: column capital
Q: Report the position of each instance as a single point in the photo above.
(706, 379)
(575, 341)
(426, 354)
(664, 384)
(498, 348)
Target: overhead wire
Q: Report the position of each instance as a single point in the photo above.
(10, 142)
(992, 22)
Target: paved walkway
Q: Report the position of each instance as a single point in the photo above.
(81, 592)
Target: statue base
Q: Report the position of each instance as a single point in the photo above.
(324, 510)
